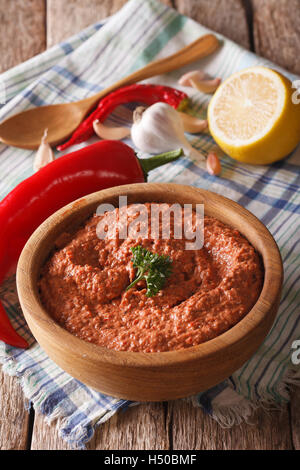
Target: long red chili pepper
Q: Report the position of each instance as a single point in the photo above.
(95, 167)
(146, 94)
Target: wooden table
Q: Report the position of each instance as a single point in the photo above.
(271, 28)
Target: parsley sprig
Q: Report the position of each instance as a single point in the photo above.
(155, 269)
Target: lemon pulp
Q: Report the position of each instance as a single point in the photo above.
(252, 116)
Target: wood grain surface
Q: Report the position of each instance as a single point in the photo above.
(277, 31)
(22, 31)
(27, 28)
(14, 417)
(193, 429)
(227, 17)
(68, 17)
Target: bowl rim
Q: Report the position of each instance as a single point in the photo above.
(32, 307)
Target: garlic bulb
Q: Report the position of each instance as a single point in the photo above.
(44, 154)
(158, 129)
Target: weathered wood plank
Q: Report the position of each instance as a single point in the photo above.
(227, 17)
(277, 31)
(140, 427)
(14, 418)
(295, 418)
(45, 436)
(193, 429)
(65, 18)
(22, 31)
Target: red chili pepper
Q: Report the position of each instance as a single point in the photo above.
(146, 94)
(95, 167)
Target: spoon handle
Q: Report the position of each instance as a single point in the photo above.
(196, 50)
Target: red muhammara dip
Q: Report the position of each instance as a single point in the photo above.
(83, 286)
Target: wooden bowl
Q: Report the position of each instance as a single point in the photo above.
(151, 376)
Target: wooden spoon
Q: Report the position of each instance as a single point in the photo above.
(26, 129)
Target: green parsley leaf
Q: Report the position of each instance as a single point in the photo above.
(151, 267)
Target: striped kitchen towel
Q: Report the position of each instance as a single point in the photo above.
(103, 53)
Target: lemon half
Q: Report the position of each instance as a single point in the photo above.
(252, 116)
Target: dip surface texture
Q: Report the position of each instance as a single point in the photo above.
(83, 286)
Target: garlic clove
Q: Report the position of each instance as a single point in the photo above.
(193, 125)
(44, 154)
(185, 80)
(200, 81)
(206, 86)
(213, 164)
(110, 133)
(138, 114)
